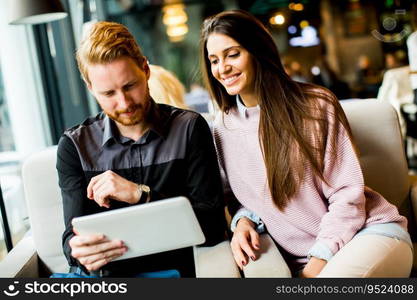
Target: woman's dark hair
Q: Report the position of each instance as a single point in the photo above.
(294, 117)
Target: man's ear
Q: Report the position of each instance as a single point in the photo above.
(145, 68)
(88, 85)
(90, 89)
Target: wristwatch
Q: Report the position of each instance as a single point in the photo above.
(145, 193)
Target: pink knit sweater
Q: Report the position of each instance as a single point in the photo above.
(317, 213)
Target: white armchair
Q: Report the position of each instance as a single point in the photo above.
(40, 252)
(377, 134)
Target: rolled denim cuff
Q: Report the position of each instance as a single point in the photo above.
(320, 250)
(243, 212)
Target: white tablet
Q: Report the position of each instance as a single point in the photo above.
(154, 227)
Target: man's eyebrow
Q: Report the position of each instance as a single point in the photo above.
(105, 92)
(226, 50)
(130, 82)
(133, 81)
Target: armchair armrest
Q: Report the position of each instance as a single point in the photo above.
(413, 198)
(270, 263)
(216, 261)
(413, 194)
(22, 261)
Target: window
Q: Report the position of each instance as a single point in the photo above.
(10, 180)
(6, 141)
(23, 122)
(6, 144)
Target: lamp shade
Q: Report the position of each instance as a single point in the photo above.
(35, 11)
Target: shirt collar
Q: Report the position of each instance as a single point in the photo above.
(157, 125)
(244, 111)
(110, 130)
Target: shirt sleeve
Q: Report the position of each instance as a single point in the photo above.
(246, 213)
(203, 182)
(73, 190)
(345, 194)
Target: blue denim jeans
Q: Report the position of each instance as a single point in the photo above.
(77, 272)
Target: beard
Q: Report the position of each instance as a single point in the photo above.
(139, 113)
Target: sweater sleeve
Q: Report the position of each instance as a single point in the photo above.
(344, 192)
(232, 204)
(235, 209)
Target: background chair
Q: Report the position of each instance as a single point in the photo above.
(40, 253)
(378, 137)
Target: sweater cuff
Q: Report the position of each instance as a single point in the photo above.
(320, 250)
(242, 213)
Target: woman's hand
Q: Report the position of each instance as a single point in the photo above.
(244, 242)
(313, 267)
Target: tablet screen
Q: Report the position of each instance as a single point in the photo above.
(149, 228)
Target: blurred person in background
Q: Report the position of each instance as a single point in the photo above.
(325, 76)
(198, 98)
(409, 110)
(396, 89)
(293, 69)
(297, 73)
(165, 87)
(395, 59)
(367, 78)
(412, 52)
(399, 87)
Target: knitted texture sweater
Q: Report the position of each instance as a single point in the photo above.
(318, 213)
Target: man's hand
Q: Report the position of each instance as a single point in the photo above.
(313, 267)
(95, 251)
(110, 186)
(244, 242)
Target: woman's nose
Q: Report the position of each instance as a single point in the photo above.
(224, 68)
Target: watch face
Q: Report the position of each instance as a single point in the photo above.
(145, 188)
(145, 193)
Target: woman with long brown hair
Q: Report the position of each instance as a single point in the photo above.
(286, 151)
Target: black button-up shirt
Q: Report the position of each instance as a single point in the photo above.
(175, 157)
